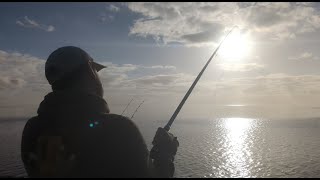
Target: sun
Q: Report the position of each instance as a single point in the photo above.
(235, 47)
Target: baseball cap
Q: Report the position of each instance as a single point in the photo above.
(66, 59)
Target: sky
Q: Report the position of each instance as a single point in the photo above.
(154, 51)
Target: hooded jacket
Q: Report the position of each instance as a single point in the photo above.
(75, 136)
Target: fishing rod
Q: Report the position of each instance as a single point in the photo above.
(136, 109)
(127, 106)
(168, 125)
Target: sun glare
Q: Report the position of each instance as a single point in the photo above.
(235, 47)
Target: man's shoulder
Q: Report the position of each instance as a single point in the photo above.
(33, 121)
(37, 122)
(117, 119)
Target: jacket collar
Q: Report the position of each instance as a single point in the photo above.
(60, 103)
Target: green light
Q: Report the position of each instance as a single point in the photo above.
(91, 125)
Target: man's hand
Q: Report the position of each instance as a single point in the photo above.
(165, 147)
(164, 144)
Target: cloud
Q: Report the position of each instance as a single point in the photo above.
(22, 83)
(107, 16)
(201, 22)
(29, 23)
(10, 82)
(116, 68)
(241, 67)
(163, 80)
(157, 80)
(283, 20)
(125, 68)
(104, 17)
(162, 67)
(280, 92)
(20, 70)
(23, 86)
(113, 8)
(282, 85)
(123, 75)
(304, 56)
(204, 36)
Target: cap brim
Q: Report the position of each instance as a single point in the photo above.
(98, 66)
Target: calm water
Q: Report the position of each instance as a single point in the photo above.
(226, 147)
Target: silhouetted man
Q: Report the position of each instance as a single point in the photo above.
(74, 135)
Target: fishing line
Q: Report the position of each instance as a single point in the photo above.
(126, 106)
(137, 109)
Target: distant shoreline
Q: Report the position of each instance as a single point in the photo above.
(13, 119)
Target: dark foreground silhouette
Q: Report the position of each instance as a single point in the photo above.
(75, 135)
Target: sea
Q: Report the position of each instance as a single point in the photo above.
(213, 148)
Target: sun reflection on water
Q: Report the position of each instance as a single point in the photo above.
(238, 154)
